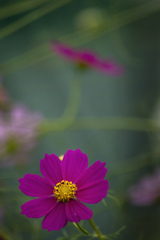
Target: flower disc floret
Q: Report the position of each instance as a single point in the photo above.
(65, 191)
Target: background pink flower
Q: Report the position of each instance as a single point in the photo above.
(18, 132)
(64, 185)
(147, 191)
(84, 59)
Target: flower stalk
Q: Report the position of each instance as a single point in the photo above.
(77, 225)
(99, 234)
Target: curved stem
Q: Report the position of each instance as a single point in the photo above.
(31, 17)
(73, 100)
(77, 38)
(99, 234)
(77, 225)
(69, 115)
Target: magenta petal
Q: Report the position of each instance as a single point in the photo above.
(95, 172)
(111, 68)
(64, 50)
(77, 211)
(37, 208)
(50, 168)
(93, 192)
(35, 186)
(88, 58)
(56, 218)
(74, 163)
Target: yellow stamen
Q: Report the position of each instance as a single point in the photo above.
(61, 157)
(64, 191)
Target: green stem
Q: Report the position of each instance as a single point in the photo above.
(117, 123)
(19, 7)
(90, 123)
(31, 17)
(77, 225)
(77, 38)
(70, 112)
(99, 234)
(73, 100)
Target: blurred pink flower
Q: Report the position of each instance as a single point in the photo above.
(18, 132)
(85, 59)
(147, 191)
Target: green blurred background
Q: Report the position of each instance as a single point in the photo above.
(112, 118)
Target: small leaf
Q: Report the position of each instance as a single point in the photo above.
(114, 199)
(110, 236)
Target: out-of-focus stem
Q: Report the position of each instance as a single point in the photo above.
(99, 234)
(104, 123)
(77, 38)
(70, 113)
(31, 17)
(19, 7)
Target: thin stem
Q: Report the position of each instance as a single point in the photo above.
(99, 234)
(77, 225)
(19, 7)
(73, 100)
(70, 112)
(77, 38)
(27, 59)
(105, 123)
(117, 123)
(31, 17)
(125, 18)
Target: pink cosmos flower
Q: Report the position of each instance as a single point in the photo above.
(147, 191)
(84, 59)
(18, 132)
(65, 184)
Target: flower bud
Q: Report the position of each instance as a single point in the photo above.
(90, 19)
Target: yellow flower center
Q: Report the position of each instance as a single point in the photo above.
(61, 157)
(82, 65)
(64, 191)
